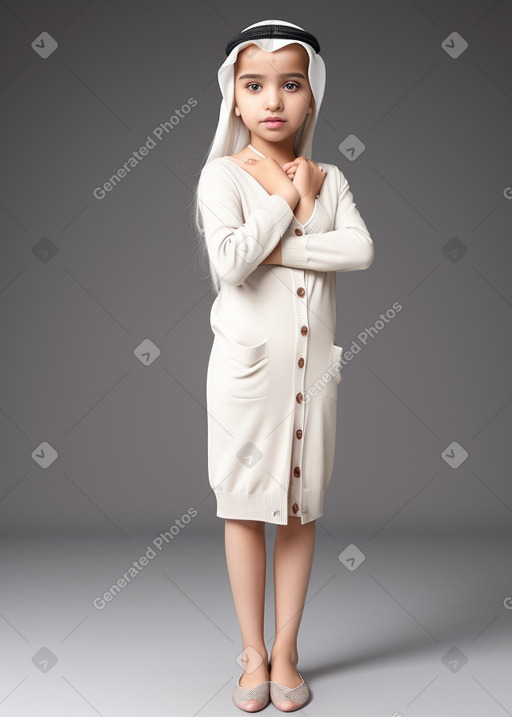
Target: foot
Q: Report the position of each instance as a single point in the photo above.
(256, 677)
(284, 669)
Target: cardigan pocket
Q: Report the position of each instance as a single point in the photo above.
(248, 370)
(334, 369)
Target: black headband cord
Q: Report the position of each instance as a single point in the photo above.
(272, 31)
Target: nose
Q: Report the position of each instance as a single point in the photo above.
(273, 100)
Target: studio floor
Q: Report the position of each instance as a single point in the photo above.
(394, 627)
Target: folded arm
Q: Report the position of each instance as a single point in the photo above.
(236, 247)
(347, 247)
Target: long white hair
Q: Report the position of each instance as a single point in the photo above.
(232, 135)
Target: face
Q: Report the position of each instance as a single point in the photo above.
(280, 89)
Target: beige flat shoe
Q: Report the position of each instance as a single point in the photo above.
(253, 700)
(289, 699)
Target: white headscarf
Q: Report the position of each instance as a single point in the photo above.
(232, 135)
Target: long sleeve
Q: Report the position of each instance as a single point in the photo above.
(346, 248)
(236, 248)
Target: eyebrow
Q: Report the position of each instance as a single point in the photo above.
(263, 77)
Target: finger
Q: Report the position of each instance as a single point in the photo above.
(290, 164)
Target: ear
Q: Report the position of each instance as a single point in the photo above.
(237, 111)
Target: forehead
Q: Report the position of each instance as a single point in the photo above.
(288, 58)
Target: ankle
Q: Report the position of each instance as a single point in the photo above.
(286, 653)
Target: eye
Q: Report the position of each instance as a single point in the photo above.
(294, 85)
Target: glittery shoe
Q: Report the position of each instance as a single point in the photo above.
(252, 700)
(288, 699)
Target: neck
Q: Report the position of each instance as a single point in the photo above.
(281, 152)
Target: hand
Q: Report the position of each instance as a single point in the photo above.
(306, 176)
(272, 178)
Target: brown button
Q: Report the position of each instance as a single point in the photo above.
(300, 291)
(298, 232)
(298, 433)
(296, 472)
(295, 507)
(301, 362)
(303, 330)
(298, 398)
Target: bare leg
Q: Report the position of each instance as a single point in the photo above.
(293, 557)
(246, 561)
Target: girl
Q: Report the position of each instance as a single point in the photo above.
(276, 228)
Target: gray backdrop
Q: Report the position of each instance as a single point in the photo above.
(99, 434)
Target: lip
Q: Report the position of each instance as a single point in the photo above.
(273, 122)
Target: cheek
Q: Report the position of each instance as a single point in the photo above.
(300, 102)
(305, 101)
(249, 105)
